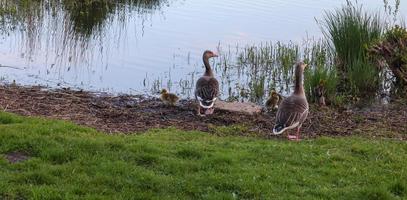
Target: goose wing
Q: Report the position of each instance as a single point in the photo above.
(292, 112)
(207, 90)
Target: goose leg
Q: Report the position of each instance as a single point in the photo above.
(295, 137)
(198, 111)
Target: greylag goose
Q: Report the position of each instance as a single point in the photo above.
(293, 110)
(207, 87)
(168, 98)
(274, 100)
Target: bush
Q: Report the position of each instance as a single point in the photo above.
(391, 51)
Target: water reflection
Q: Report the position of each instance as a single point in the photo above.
(69, 34)
(141, 46)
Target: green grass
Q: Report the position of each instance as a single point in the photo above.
(72, 162)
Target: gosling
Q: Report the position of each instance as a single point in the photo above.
(168, 98)
(274, 100)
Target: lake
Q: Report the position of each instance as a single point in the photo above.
(142, 46)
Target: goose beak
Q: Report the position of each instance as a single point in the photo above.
(215, 55)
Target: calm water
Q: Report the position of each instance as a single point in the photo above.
(143, 47)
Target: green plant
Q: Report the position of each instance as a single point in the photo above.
(349, 31)
(391, 51)
(338, 100)
(257, 89)
(71, 162)
(314, 76)
(363, 78)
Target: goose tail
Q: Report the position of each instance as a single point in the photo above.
(278, 129)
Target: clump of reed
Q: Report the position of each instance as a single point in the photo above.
(320, 71)
(264, 66)
(349, 31)
(252, 71)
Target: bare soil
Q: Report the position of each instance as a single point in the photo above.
(16, 157)
(136, 114)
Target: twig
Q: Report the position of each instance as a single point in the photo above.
(11, 67)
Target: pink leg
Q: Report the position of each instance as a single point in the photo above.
(295, 137)
(198, 110)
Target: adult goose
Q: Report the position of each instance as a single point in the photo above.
(207, 87)
(293, 110)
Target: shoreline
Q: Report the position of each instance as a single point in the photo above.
(134, 114)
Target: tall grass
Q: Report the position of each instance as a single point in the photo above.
(363, 78)
(321, 69)
(349, 31)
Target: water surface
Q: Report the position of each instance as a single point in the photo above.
(142, 46)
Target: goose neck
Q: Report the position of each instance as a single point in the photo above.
(208, 69)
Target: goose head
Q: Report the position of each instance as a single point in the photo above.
(209, 54)
(302, 66)
(164, 91)
(273, 94)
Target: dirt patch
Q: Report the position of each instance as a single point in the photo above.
(135, 114)
(16, 157)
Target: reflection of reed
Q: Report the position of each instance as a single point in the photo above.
(67, 31)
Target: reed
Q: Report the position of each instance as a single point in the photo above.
(350, 30)
(320, 70)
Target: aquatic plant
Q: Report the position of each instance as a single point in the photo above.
(316, 75)
(363, 78)
(392, 10)
(257, 89)
(349, 31)
(320, 69)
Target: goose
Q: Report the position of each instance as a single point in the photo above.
(169, 98)
(207, 87)
(293, 110)
(274, 100)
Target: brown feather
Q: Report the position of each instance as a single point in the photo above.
(207, 87)
(293, 109)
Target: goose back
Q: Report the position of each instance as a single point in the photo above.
(207, 90)
(292, 112)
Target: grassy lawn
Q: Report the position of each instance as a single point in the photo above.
(72, 162)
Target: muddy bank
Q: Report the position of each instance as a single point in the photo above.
(135, 114)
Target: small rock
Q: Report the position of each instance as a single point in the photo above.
(247, 108)
(357, 131)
